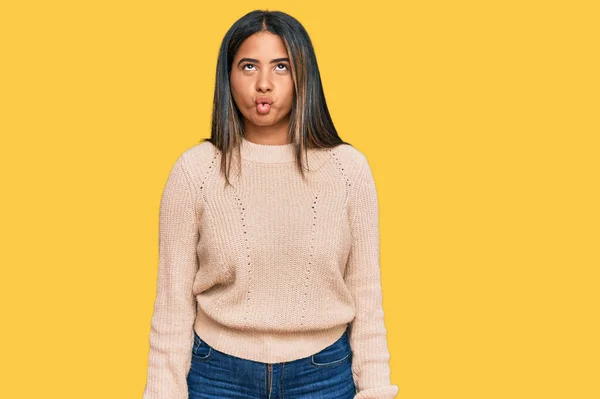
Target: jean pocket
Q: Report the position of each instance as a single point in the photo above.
(201, 350)
(335, 354)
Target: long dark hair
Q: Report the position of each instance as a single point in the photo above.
(310, 123)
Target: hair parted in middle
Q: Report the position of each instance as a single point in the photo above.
(310, 125)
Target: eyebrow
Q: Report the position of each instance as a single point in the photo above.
(257, 61)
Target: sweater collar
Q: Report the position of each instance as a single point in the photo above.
(267, 153)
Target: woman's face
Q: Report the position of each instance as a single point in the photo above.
(261, 73)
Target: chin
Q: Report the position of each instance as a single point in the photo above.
(262, 121)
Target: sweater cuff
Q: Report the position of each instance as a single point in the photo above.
(385, 392)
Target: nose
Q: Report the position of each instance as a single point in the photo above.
(263, 83)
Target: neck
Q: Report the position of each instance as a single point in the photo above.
(267, 153)
(276, 134)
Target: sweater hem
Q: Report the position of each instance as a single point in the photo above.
(264, 346)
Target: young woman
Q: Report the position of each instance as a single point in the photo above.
(269, 281)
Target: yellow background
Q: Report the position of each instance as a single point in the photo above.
(480, 121)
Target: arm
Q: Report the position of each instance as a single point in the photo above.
(171, 335)
(370, 363)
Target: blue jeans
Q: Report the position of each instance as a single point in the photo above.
(324, 375)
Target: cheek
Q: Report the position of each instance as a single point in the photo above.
(234, 87)
(289, 93)
(236, 90)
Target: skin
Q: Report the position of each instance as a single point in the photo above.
(250, 79)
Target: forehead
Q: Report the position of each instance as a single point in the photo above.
(263, 46)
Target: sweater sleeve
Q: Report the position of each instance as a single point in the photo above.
(171, 333)
(367, 333)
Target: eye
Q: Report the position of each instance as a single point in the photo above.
(245, 65)
(284, 65)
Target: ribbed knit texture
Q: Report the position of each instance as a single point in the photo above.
(272, 269)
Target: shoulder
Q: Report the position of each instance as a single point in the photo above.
(196, 159)
(193, 165)
(199, 152)
(350, 160)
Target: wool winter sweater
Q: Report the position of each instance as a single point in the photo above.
(270, 269)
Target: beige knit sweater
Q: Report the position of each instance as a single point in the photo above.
(272, 269)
